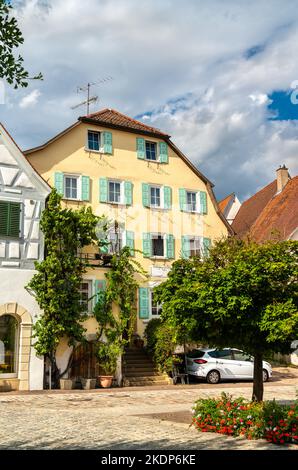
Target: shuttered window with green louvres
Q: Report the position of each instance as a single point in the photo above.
(167, 197)
(170, 246)
(203, 202)
(182, 199)
(107, 142)
(144, 303)
(163, 152)
(99, 287)
(103, 190)
(10, 213)
(140, 143)
(185, 246)
(85, 188)
(59, 183)
(206, 246)
(130, 242)
(128, 193)
(145, 195)
(147, 245)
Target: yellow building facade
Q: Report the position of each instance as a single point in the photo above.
(133, 174)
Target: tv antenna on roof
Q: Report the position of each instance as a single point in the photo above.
(86, 88)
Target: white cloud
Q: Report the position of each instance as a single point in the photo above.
(30, 100)
(184, 66)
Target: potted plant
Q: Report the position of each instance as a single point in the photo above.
(66, 384)
(107, 354)
(88, 383)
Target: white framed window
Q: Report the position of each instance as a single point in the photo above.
(116, 239)
(155, 307)
(191, 201)
(115, 192)
(85, 295)
(195, 246)
(156, 197)
(72, 187)
(158, 248)
(94, 141)
(151, 151)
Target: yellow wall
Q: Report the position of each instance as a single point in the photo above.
(68, 155)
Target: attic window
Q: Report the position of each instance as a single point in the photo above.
(151, 152)
(94, 141)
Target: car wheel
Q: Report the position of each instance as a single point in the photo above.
(265, 376)
(213, 377)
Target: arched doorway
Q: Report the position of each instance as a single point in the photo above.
(15, 347)
(9, 344)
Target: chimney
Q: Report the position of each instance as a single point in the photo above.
(282, 177)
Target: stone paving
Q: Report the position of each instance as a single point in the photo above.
(127, 418)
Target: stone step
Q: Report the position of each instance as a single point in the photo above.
(142, 373)
(144, 381)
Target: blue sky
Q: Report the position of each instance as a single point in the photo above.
(217, 76)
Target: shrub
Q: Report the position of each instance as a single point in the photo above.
(160, 344)
(239, 417)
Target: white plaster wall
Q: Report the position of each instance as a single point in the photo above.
(13, 282)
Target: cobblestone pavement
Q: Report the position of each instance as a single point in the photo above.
(139, 418)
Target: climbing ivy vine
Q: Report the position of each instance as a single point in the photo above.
(57, 281)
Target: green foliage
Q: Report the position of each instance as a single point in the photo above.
(115, 330)
(238, 417)
(161, 344)
(11, 68)
(57, 281)
(243, 295)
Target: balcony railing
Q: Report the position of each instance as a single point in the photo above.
(96, 260)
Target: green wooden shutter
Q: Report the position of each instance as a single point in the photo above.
(130, 241)
(4, 218)
(203, 202)
(141, 148)
(128, 193)
(59, 183)
(14, 219)
(163, 152)
(182, 199)
(85, 188)
(99, 287)
(103, 190)
(170, 246)
(206, 246)
(147, 245)
(167, 195)
(144, 303)
(107, 142)
(185, 246)
(145, 195)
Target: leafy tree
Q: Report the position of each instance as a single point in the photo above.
(57, 281)
(11, 67)
(243, 295)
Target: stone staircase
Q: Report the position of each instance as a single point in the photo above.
(139, 370)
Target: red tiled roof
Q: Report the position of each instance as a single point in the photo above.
(114, 118)
(268, 215)
(251, 209)
(225, 202)
(279, 218)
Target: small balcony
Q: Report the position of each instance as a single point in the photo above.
(96, 260)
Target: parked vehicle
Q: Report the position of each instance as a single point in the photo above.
(223, 364)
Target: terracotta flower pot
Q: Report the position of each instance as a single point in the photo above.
(105, 381)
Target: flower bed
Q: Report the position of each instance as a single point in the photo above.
(238, 417)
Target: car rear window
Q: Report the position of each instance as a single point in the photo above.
(197, 353)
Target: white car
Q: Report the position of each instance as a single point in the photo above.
(227, 363)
